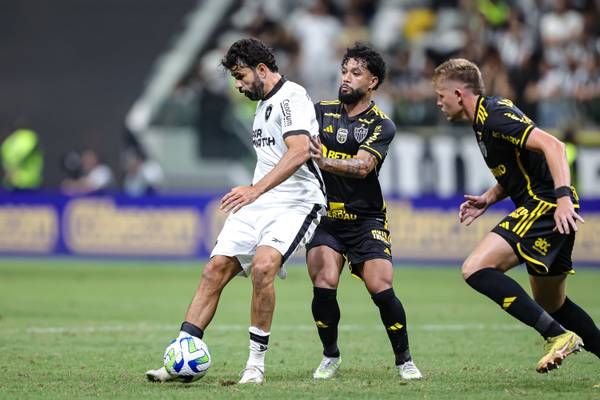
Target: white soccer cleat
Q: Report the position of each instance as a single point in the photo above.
(409, 371)
(327, 368)
(252, 374)
(159, 375)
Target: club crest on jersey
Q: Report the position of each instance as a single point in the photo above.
(342, 135)
(360, 133)
(268, 112)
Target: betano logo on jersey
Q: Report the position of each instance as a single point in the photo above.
(337, 155)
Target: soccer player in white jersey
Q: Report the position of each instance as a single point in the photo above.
(271, 217)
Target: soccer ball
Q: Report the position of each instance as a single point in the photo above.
(187, 358)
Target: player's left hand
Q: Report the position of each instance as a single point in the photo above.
(238, 197)
(565, 216)
(316, 150)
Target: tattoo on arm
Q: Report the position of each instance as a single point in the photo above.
(351, 168)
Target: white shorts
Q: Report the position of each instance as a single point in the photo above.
(282, 227)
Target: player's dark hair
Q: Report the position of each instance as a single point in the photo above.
(372, 59)
(462, 70)
(249, 53)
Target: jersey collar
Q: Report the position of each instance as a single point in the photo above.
(366, 111)
(275, 89)
(477, 104)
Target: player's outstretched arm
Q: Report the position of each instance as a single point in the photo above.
(553, 149)
(474, 206)
(296, 155)
(358, 167)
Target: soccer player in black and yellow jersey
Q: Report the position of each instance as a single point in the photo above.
(354, 137)
(530, 167)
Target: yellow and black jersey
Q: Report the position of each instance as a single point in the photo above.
(342, 137)
(502, 131)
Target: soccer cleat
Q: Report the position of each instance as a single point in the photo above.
(327, 368)
(252, 374)
(409, 371)
(557, 348)
(159, 375)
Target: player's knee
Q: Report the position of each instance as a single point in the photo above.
(327, 279)
(263, 271)
(469, 267)
(214, 272)
(379, 285)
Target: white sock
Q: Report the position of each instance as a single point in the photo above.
(258, 348)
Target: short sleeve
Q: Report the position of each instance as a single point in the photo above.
(508, 124)
(379, 140)
(297, 113)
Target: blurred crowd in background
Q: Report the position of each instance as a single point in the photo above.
(85, 172)
(543, 54)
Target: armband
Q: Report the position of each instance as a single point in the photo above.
(562, 191)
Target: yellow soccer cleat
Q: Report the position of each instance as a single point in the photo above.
(557, 348)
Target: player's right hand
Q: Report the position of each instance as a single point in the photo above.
(316, 150)
(238, 197)
(471, 208)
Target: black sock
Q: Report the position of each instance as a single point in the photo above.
(192, 329)
(326, 312)
(574, 318)
(509, 295)
(394, 319)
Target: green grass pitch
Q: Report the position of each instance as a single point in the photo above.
(89, 329)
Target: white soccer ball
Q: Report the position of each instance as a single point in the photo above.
(187, 358)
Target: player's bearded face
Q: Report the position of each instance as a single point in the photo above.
(255, 90)
(356, 79)
(349, 95)
(248, 83)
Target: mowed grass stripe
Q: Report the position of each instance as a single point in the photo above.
(225, 328)
(113, 320)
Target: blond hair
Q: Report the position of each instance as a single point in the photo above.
(462, 70)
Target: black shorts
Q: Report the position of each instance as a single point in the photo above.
(530, 231)
(358, 241)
